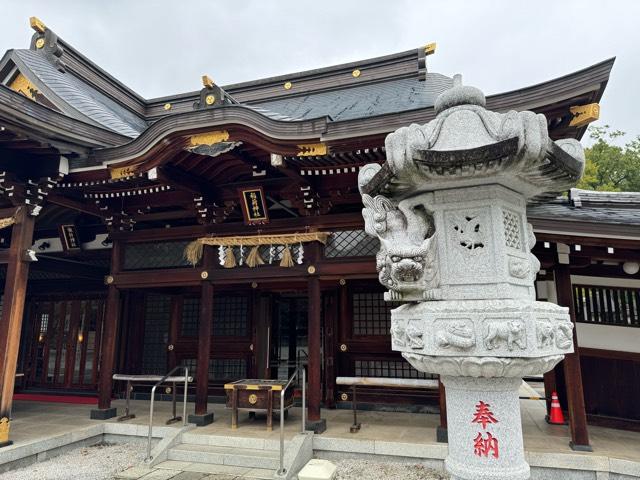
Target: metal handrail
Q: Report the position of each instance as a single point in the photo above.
(153, 396)
(281, 470)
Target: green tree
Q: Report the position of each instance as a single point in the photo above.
(610, 167)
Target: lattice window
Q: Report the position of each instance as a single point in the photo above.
(230, 316)
(387, 369)
(512, 235)
(351, 243)
(145, 256)
(220, 369)
(227, 369)
(371, 314)
(190, 363)
(44, 323)
(190, 317)
(607, 305)
(156, 328)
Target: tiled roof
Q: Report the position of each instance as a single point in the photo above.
(361, 101)
(581, 197)
(87, 101)
(621, 208)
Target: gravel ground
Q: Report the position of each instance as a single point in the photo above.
(99, 462)
(366, 469)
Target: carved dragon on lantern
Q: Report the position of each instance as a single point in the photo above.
(406, 261)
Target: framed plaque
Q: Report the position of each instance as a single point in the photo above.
(254, 205)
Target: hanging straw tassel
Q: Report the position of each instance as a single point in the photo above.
(229, 258)
(193, 252)
(287, 259)
(254, 259)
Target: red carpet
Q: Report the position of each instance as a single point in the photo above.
(37, 397)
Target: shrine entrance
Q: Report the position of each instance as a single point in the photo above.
(64, 341)
(288, 336)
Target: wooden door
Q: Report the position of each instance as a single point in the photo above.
(232, 354)
(65, 343)
(289, 339)
(364, 348)
(262, 327)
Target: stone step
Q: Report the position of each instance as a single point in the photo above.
(231, 441)
(232, 456)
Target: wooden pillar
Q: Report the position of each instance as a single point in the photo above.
(572, 371)
(314, 337)
(441, 432)
(550, 386)
(330, 347)
(314, 390)
(108, 344)
(108, 349)
(201, 416)
(204, 348)
(15, 288)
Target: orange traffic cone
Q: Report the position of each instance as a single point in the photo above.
(555, 414)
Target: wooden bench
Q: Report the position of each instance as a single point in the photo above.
(354, 382)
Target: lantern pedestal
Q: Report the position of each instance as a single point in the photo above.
(485, 432)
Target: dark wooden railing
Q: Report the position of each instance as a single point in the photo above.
(607, 305)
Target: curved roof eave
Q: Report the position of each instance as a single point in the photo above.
(189, 123)
(41, 122)
(590, 81)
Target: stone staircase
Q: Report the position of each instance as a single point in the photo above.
(245, 457)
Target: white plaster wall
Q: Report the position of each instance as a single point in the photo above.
(604, 337)
(607, 337)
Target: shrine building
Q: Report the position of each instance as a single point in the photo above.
(221, 229)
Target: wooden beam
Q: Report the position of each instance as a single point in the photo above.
(337, 221)
(593, 238)
(572, 371)
(11, 320)
(72, 204)
(76, 269)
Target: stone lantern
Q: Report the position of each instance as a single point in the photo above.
(449, 209)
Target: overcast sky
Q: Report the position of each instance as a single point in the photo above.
(162, 47)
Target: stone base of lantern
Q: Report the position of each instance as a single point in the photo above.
(485, 430)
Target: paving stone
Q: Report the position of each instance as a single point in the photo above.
(173, 465)
(217, 469)
(221, 477)
(259, 473)
(189, 476)
(161, 474)
(134, 473)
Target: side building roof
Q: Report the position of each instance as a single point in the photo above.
(586, 211)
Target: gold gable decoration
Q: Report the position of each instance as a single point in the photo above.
(21, 84)
(193, 252)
